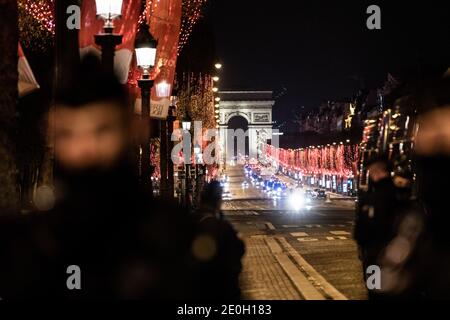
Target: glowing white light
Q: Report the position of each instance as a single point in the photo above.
(163, 89)
(296, 200)
(109, 9)
(145, 57)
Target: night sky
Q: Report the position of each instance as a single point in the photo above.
(322, 50)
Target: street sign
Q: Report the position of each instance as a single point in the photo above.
(158, 109)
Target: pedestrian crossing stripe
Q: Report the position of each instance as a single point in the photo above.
(313, 226)
(299, 234)
(307, 239)
(340, 233)
(290, 226)
(270, 226)
(337, 238)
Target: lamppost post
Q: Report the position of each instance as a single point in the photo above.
(145, 47)
(163, 158)
(170, 170)
(108, 43)
(145, 84)
(186, 124)
(198, 175)
(107, 40)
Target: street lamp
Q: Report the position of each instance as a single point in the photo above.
(186, 122)
(145, 47)
(197, 150)
(198, 173)
(216, 79)
(163, 89)
(218, 66)
(170, 170)
(108, 10)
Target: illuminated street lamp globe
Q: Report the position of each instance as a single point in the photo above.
(108, 10)
(163, 89)
(145, 47)
(186, 122)
(197, 149)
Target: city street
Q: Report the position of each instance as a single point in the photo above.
(291, 256)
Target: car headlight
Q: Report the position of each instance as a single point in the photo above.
(296, 201)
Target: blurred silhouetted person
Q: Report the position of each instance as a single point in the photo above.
(218, 249)
(400, 261)
(433, 158)
(126, 245)
(373, 227)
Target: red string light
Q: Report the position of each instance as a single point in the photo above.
(335, 160)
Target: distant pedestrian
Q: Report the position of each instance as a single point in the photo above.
(218, 249)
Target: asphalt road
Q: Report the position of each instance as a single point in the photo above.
(294, 255)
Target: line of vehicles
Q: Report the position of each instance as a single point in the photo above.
(225, 184)
(275, 188)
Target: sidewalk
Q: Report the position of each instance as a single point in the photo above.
(262, 277)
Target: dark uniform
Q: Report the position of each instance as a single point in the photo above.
(220, 263)
(218, 250)
(126, 246)
(434, 178)
(374, 219)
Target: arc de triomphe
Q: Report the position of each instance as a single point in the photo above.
(256, 108)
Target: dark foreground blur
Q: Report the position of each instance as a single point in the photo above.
(402, 216)
(100, 235)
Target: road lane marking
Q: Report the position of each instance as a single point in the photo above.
(340, 233)
(299, 234)
(303, 285)
(270, 226)
(307, 240)
(290, 226)
(310, 226)
(329, 289)
(337, 238)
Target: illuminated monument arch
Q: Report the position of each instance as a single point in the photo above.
(254, 107)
